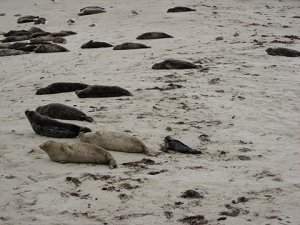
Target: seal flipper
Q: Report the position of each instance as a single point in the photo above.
(111, 161)
(88, 118)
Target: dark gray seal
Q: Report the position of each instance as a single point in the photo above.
(16, 33)
(63, 33)
(61, 87)
(180, 9)
(99, 91)
(153, 35)
(91, 10)
(61, 111)
(45, 126)
(40, 20)
(10, 52)
(27, 47)
(174, 64)
(283, 52)
(50, 48)
(175, 145)
(15, 38)
(96, 44)
(27, 19)
(39, 34)
(130, 45)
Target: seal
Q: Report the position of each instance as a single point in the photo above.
(283, 52)
(16, 33)
(96, 44)
(40, 20)
(61, 111)
(15, 38)
(170, 64)
(10, 52)
(39, 34)
(99, 91)
(180, 9)
(45, 126)
(116, 141)
(130, 45)
(41, 39)
(175, 145)
(27, 47)
(63, 33)
(91, 10)
(153, 35)
(27, 19)
(60, 87)
(78, 153)
(50, 48)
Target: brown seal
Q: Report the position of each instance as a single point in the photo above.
(45, 126)
(100, 91)
(153, 35)
(130, 45)
(116, 141)
(174, 64)
(61, 111)
(78, 153)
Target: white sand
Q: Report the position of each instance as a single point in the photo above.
(260, 107)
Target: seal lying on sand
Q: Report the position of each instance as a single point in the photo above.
(175, 145)
(129, 45)
(16, 33)
(116, 141)
(96, 44)
(153, 35)
(10, 52)
(180, 9)
(283, 52)
(61, 87)
(45, 126)
(15, 38)
(27, 47)
(64, 112)
(91, 10)
(78, 153)
(40, 20)
(174, 64)
(39, 34)
(63, 33)
(27, 19)
(99, 91)
(50, 48)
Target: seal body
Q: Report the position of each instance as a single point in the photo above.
(16, 33)
(129, 45)
(78, 153)
(10, 52)
(91, 10)
(174, 64)
(175, 145)
(45, 126)
(64, 112)
(15, 38)
(99, 91)
(283, 52)
(27, 19)
(63, 33)
(50, 48)
(153, 35)
(96, 44)
(61, 87)
(180, 9)
(115, 141)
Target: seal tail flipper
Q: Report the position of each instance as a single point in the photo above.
(85, 130)
(112, 163)
(89, 119)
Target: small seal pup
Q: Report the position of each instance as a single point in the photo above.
(78, 153)
(170, 64)
(116, 141)
(50, 48)
(180, 9)
(61, 111)
(283, 52)
(100, 91)
(153, 35)
(45, 126)
(178, 146)
(96, 44)
(60, 87)
(129, 45)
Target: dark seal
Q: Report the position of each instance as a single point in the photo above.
(153, 35)
(61, 87)
(27, 19)
(180, 9)
(130, 45)
(170, 64)
(45, 126)
(99, 91)
(283, 52)
(64, 112)
(91, 10)
(178, 146)
(96, 44)
(50, 48)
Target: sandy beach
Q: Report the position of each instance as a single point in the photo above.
(242, 110)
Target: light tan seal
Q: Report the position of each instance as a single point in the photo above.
(78, 153)
(116, 141)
